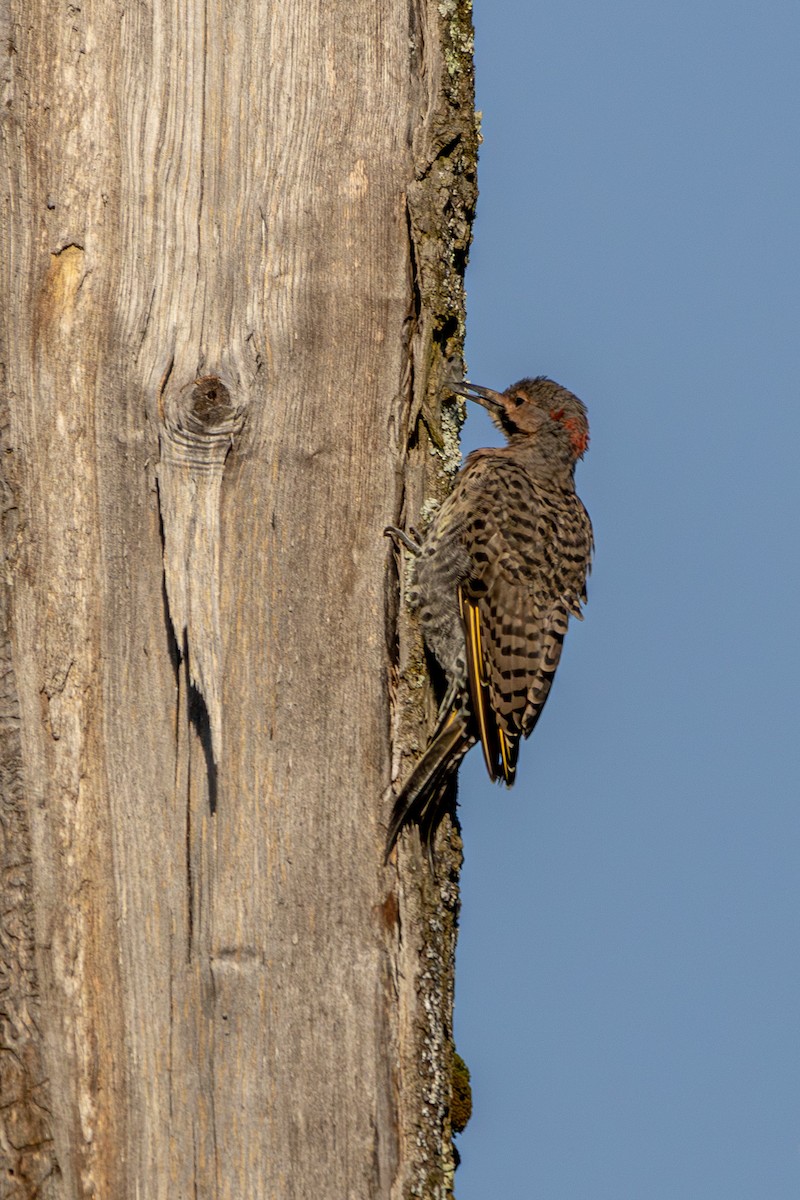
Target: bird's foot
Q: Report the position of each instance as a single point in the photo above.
(398, 536)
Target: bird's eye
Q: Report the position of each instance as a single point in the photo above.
(520, 399)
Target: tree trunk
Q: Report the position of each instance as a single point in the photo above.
(233, 255)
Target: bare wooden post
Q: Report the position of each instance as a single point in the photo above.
(234, 240)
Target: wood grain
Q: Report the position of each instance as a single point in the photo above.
(263, 208)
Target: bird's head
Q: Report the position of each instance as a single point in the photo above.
(535, 408)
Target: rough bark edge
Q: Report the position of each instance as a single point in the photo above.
(28, 1164)
(440, 208)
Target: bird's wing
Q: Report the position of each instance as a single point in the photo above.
(527, 574)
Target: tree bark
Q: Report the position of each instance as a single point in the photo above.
(234, 242)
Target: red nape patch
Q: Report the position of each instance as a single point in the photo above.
(578, 435)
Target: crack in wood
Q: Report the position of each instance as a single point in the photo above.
(199, 425)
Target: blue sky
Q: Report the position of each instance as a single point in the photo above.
(628, 988)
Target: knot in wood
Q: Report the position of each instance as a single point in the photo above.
(200, 422)
(211, 401)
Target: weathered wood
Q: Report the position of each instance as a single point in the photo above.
(233, 254)
(198, 426)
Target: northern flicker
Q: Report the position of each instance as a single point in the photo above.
(496, 578)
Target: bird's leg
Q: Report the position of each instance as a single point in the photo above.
(398, 536)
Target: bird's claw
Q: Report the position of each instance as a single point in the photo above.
(397, 535)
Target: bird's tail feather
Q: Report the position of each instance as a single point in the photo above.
(423, 797)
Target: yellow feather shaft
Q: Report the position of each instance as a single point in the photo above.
(504, 751)
(472, 622)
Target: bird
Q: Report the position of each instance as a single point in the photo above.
(495, 579)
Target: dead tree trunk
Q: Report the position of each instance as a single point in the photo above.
(234, 240)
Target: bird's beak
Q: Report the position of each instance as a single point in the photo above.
(491, 401)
